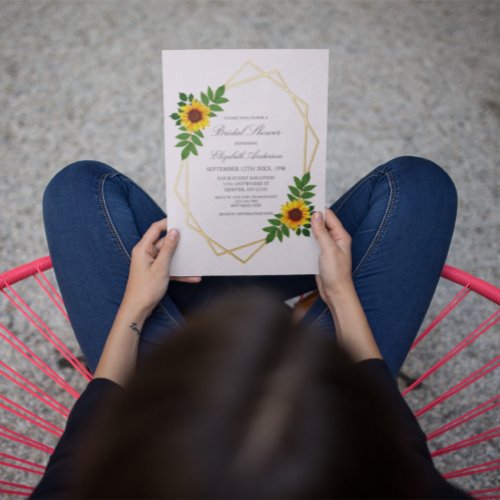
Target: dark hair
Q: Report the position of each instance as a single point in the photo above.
(242, 403)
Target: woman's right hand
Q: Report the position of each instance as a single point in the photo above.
(335, 261)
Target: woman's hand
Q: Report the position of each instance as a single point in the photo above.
(147, 283)
(149, 273)
(335, 261)
(336, 287)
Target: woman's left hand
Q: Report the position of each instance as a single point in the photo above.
(149, 273)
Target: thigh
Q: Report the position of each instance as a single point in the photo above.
(401, 218)
(93, 216)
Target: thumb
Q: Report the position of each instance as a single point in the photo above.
(168, 247)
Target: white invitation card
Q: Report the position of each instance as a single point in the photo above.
(245, 154)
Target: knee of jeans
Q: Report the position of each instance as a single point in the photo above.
(75, 174)
(422, 174)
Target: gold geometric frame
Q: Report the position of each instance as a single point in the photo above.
(302, 107)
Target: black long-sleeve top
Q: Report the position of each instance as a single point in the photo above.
(58, 477)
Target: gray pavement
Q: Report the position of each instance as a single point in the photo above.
(82, 80)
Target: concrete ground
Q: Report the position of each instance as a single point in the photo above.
(82, 80)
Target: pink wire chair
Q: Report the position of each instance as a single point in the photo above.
(34, 410)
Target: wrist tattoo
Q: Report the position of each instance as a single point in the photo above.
(134, 327)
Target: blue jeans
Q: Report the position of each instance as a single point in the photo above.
(401, 218)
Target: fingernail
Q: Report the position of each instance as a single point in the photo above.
(318, 216)
(173, 233)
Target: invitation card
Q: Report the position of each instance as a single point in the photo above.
(245, 154)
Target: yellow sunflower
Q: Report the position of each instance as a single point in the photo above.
(194, 116)
(295, 213)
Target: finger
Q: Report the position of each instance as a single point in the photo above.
(187, 279)
(168, 248)
(153, 232)
(320, 231)
(335, 228)
(158, 245)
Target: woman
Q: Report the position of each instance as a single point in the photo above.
(383, 245)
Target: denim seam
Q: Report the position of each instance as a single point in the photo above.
(114, 232)
(383, 224)
(107, 216)
(353, 190)
(127, 179)
(393, 194)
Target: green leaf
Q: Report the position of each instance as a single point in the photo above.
(220, 100)
(200, 133)
(182, 128)
(181, 144)
(274, 222)
(309, 188)
(298, 231)
(191, 97)
(298, 182)
(270, 237)
(215, 107)
(311, 208)
(210, 94)
(183, 137)
(290, 197)
(196, 140)
(212, 114)
(220, 91)
(269, 229)
(306, 178)
(185, 152)
(204, 99)
(178, 122)
(183, 96)
(181, 104)
(280, 235)
(294, 190)
(174, 116)
(193, 149)
(308, 195)
(305, 232)
(285, 230)
(307, 225)
(278, 216)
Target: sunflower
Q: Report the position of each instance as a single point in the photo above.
(194, 116)
(295, 213)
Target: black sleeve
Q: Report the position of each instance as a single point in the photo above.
(437, 486)
(57, 476)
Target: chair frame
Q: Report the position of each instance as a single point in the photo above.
(36, 269)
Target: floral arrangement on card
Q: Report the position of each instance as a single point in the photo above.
(295, 214)
(193, 115)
